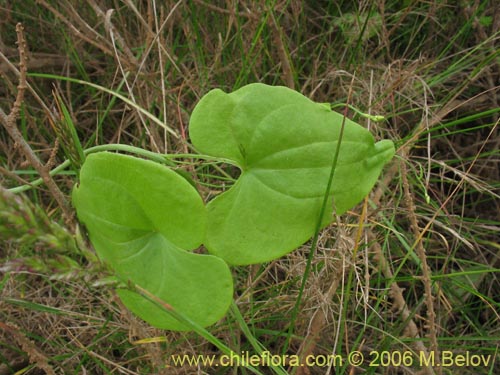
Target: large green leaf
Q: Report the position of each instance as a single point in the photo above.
(284, 145)
(141, 218)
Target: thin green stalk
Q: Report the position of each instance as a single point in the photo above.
(153, 118)
(190, 323)
(243, 74)
(111, 147)
(256, 345)
(314, 243)
(39, 181)
(354, 53)
(375, 118)
(133, 150)
(347, 295)
(97, 135)
(160, 158)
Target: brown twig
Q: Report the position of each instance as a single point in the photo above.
(113, 33)
(396, 293)
(34, 354)
(8, 65)
(215, 8)
(88, 34)
(421, 253)
(9, 122)
(426, 272)
(286, 65)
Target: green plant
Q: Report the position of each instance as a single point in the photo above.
(144, 218)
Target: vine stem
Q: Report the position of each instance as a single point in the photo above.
(161, 158)
(376, 118)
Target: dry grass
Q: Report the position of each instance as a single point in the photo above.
(414, 267)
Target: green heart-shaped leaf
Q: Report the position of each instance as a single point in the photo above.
(141, 218)
(284, 145)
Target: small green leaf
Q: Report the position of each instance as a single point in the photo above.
(284, 145)
(142, 218)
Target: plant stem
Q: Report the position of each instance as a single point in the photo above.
(190, 323)
(126, 100)
(161, 158)
(314, 243)
(279, 370)
(376, 118)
